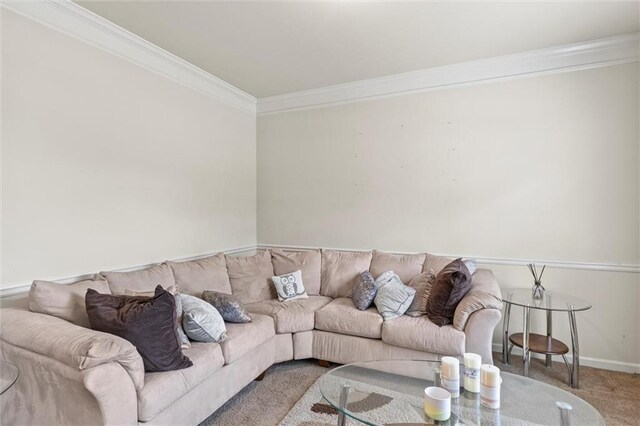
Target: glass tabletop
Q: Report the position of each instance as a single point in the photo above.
(8, 375)
(392, 392)
(551, 301)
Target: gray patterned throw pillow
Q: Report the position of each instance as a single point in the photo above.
(363, 291)
(229, 306)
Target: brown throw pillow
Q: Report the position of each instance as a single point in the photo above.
(452, 283)
(422, 283)
(149, 323)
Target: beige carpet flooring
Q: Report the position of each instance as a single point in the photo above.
(615, 395)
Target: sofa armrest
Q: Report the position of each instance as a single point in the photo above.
(77, 347)
(484, 294)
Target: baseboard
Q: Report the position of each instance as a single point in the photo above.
(18, 289)
(605, 364)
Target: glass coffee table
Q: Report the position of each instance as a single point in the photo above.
(392, 392)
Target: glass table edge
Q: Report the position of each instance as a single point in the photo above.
(585, 304)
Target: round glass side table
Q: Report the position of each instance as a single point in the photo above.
(542, 344)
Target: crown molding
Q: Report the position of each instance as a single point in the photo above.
(84, 25)
(18, 289)
(552, 60)
(561, 264)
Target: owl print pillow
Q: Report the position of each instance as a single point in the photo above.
(289, 286)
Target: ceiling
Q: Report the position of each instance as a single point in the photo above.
(271, 48)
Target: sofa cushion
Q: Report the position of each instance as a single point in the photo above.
(201, 321)
(341, 316)
(195, 276)
(393, 298)
(292, 316)
(308, 261)
(250, 277)
(421, 334)
(147, 322)
(340, 269)
(162, 389)
(243, 338)
(228, 305)
(176, 294)
(422, 283)
(140, 280)
(289, 286)
(65, 301)
(451, 284)
(435, 263)
(406, 266)
(364, 291)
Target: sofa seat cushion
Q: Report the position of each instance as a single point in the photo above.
(243, 338)
(292, 316)
(163, 388)
(421, 334)
(342, 316)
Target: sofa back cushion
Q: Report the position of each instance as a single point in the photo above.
(308, 261)
(140, 280)
(195, 276)
(406, 266)
(250, 277)
(451, 285)
(340, 269)
(435, 263)
(65, 301)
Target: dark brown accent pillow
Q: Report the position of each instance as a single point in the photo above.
(452, 283)
(149, 323)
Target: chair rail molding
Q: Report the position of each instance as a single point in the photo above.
(590, 266)
(76, 21)
(13, 290)
(552, 60)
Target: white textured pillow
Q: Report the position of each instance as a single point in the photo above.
(201, 321)
(393, 298)
(471, 264)
(289, 286)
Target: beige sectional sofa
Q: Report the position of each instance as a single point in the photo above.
(74, 375)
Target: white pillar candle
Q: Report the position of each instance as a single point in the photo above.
(450, 375)
(472, 364)
(450, 367)
(490, 375)
(490, 386)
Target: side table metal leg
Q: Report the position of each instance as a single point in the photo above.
(505, 333)
(344, 397)
(525, 340)
(547, 361)
(575, 348)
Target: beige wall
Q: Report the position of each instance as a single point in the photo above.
(107, 165)
(537, 168)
